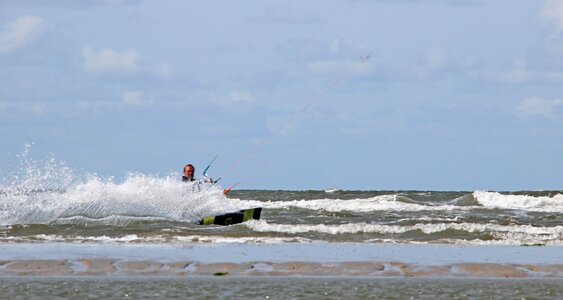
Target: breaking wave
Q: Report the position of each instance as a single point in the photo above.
(522, 202)
(512, 233)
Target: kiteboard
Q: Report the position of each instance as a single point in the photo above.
(233, 218)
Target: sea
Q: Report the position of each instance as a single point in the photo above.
(47, 202)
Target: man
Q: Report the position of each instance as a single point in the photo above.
(189, 171)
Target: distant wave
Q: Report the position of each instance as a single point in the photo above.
(522, 202)
(521, 233)
(397, 202)
(378, 203)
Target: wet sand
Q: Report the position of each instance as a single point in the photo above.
(280, 260)
(105, 267)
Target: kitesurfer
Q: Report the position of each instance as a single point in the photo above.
(189, 171)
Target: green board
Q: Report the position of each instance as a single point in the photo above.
(233, 218)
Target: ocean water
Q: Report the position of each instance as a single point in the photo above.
(46, 201)
(54, 212)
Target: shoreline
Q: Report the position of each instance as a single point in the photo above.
(280, 260)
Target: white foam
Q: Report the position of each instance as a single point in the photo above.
(506, 232)
(139, 197)
(378, 203)
(135, 239)
(521, 202)
(238, 240)
(47, 192)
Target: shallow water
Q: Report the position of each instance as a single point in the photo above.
(278, 288)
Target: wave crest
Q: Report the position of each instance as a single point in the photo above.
(522, 202)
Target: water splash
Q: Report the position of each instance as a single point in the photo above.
(33, 175)
(48, 192)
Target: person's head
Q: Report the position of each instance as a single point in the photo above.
(189, 171)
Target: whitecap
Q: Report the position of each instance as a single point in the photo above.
(520, 202)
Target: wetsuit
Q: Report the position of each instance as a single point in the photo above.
(187, 179)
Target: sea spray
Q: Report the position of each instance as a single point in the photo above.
(138, 197)
(49, 192)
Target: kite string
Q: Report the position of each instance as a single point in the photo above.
(270, 89)
(294, 116)
(347, 74)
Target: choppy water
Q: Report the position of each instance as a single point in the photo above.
(281, 288)
(46, 201)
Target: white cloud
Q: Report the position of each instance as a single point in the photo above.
(99, 105)
(347, 46)
(20, 33)
(118, 2)
(436, 58)
(282, 13)
(536, 106)
(111, 61)
(238, 96)
(27, 107)
(164, 70)
(552, 13)
(519, 75)
(340, 67)
(128, 99)
(432, 64)
(135, 98)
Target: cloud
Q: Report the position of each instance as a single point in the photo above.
(346, 48)
(549, 52)
(436, 58)
(285, 14)
(341, 67)
(519, 74)
(19, 33)
(95, 105)
(72, 4)
(131, 98)
(238, 96)
(544, 61)
(111, 61)
(26, 107)
(552, 14)
(536, 106)
(432, 64)
(164, 70)
(135, 98)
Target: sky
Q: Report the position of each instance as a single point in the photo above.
(455, 94)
